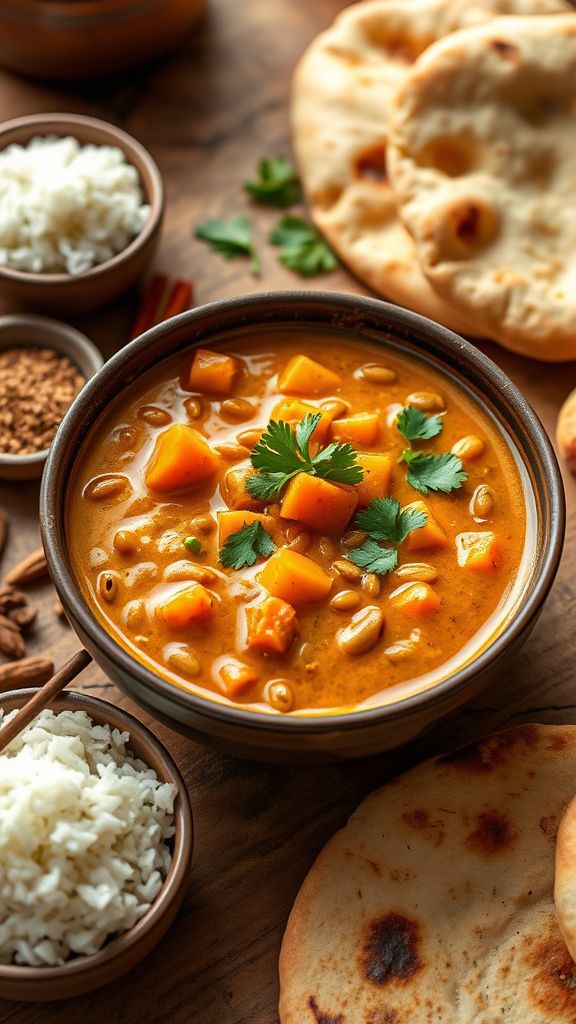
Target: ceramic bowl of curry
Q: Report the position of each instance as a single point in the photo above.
(302, 525)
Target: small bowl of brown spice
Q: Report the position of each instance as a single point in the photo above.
(43, 366)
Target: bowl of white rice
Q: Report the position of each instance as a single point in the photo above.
(96, 840)
(81, 209)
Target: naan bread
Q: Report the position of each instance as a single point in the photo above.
(434, 905)
(341, 98)
(483, 159)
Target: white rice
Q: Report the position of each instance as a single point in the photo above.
(83, 838)
(65, 207)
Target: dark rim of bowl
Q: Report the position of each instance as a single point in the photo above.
(154, 195)
(178, 866)
(321, 310)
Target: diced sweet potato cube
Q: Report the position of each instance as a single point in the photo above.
(319, 503)
(377, 477)
(235, 492)
(271, 625)
(292, 411)
(362, 430)
(181, 458)
(238, 678)
(304, 376)
(212, 372)
(231, 522)
(416, 600)
(480, 551)
(431, 535)
(187, 608)
(295, 578)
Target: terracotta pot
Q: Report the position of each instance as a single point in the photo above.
(313, 737)
(67, 39)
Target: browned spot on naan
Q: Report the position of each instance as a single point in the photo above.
(505, 49)
(486, 756)
(384, 1015)
(371, 164)
(324, 1018)
(391, 951)
(552, 988)
(432, 829)
(493, 834)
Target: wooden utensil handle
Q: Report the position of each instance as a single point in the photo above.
(42, 698)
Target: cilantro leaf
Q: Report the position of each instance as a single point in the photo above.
(373, 558)
(281, 453)
(416, 425)
(434, 472)
(230, 238)
(243, 547)
(302, 248)
(277, 184)
(383, 519)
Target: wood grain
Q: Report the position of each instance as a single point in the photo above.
(208, 113)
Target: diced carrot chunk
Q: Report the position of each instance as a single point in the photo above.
(319, 503)
(181, 458)
(213, 372)
(292, 411)
(188, 607)
(377, 477)
(481, 551)
(361, 430)
(416, 599)
(304, 376)
(231, 522)
(271, 625)
(295, 578)
(236, 493)
(431, 535)
(238, 678)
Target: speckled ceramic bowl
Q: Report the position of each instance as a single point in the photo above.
(85, 973)
(367, 730)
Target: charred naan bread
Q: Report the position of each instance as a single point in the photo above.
(341, 97)
(434, 905)
(483, 160)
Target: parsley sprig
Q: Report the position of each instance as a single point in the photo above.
(416, 425)
(384, 520)
(282, 453)
(434, 472)
(302, 248)
(246, 545)
(277, 184)
(230, 238)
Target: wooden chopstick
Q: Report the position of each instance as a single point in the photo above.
(42, 698)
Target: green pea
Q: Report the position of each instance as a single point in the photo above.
(192, 544)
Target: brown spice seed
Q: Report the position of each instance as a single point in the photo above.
(36, 387)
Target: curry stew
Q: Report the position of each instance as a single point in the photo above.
(296, 522)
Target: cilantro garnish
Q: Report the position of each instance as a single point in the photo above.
(230, 238)
(281, 453)
(383, 519)
(243, 547)
(373, 558)
(277, 184)
(302, 248)
(434, 472)
(416, 425)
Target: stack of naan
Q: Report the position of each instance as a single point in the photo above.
(436, 141)
(450, 896)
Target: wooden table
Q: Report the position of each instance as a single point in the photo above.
(208, 113)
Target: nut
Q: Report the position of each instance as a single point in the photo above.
(391, 414)
(421, 572)
(353, 539)
(134, 616)
(154, 416)
(428, 401)
(335, 406)
(237, 409)
(249, 438)
(327, 548)
(347, 570)
(468, 448)
(33, 567)
(193, 408)
(300, 542)
(376, 373)
(362, 632)
(185, 662)
(105, 487)
(232, 452)
(107, 584)
(482, 502)
(371, 584)
(185, 570)
(125, 542)
(203, 524)
(279, 694)
(345, 601)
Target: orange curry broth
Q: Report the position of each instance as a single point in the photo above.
(418, 651)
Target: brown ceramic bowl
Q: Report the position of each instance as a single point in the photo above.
(67, 293)
(358, 732)
(62, 40)
(85, 973)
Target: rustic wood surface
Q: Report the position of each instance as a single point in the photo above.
(207, 114)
